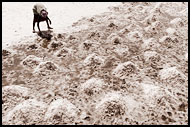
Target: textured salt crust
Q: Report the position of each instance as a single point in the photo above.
(108, 78)
(12, 95)
(122, 51)
(15, 89)
(167, 73)
(124, 69)
(92, 88)
(28, 112)
(114, 39)
(149, 89)
(46, 68)
(113, 96)
(168, 40)
(63, 52)
(60, 111)
(93, 59)
(121, 106)
(86, 45)
(134, 36)
(55, 45)
(155, 28)
(150, 43)
(149, 54)
(7, 52)
(32, 61)
(175, 21)
(170, 30)
(92, 83)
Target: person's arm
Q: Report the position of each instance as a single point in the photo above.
(49, 20)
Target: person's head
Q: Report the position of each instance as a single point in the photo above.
(44, 13)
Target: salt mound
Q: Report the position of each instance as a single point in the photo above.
(29, 112)
(122, 51)
(152, 58)
(168, 73)
(181, 26)
(92, 86)
(72, 39)
(173, 77)
(86, 45)
(7, 57)
(149, 90)
(61, 111)
(114, 39)
(150, 43)
(135, 36)
(5, 52)
(63, 52)
(12, 95)
(15, 90)
(46, 68)
(176, 21)
(149, 54)
(169, 8)
(155, 28)
(124, 69)
(168, 41)
(94, 35)
(170, 31)
(93, 59)
(110, 109)
(55, 45)
(31, 61)
(114, 107)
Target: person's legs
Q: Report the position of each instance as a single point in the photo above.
(34, 21)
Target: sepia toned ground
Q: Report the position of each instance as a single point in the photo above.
(127, 66)
(17, 17)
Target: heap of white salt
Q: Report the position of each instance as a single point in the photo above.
(124, 69)
(168, 73)
(93, 59)
(31, 61)
(28, 112)
(60, 111)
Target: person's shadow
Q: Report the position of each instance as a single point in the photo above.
(45, 34)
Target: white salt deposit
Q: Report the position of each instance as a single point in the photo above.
(170, 31)
(149, 54)
(61, 105)
(28, 112)
(15, 89)
(93, 83)
(32, 61)
(149, 89)
(124, 69)
(167, 73)
(93, 59)
(186, 56)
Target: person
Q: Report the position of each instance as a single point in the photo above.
(40, 14)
